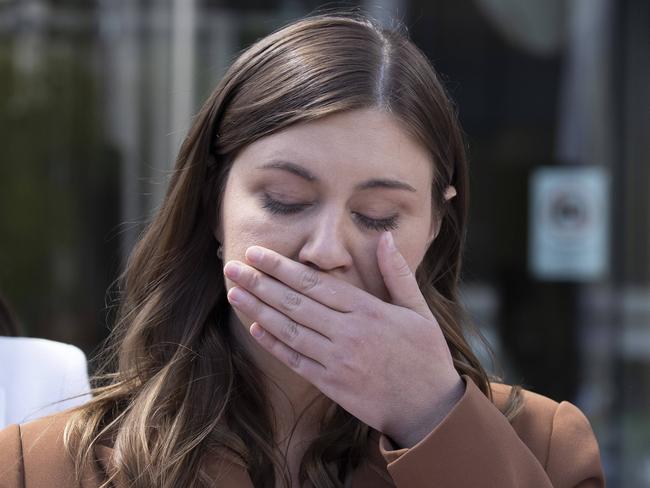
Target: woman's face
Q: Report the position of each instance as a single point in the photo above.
(322, 192)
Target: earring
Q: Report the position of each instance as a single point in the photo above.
(220, 252)
(450, 192)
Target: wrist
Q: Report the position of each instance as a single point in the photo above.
(432, 417)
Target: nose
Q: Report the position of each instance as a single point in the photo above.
(326, 246)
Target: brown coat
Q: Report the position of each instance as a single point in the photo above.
(547, 445)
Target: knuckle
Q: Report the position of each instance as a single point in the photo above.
(254, 280)
(331, 377)
(354, 340)
(354, 345)
(294, 359)
(290, 332)
(403, 270)
(291, 301)
(309, 279)
(371, 312)
(273, 261)
(347, 366)
(257, 309)
(338, 356)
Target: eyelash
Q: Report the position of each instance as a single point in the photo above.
(276, 207)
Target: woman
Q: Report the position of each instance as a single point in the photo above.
(271, 331)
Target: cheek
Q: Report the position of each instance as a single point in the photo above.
(246, 223)
(367, 267)
(413, 251)
(256, 232)
(412, 243)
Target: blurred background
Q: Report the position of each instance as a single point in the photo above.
(96, 96)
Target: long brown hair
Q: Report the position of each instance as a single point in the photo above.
(176, 387)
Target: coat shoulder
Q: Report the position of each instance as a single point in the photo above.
(11, 461)
(546, 426)
(534, 422)
(34, 454)
(546, 444)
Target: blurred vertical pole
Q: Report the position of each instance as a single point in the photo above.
(635, 140)
(633, 239)
(584, 129)
(182, 65)
(119, 22)
(586, 137)
(28, 59)
(28, 41)
(160, 153)
(221, 32)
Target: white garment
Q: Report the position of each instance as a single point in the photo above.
(35, 373)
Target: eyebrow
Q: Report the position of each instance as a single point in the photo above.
(308, 176)
(291, 168)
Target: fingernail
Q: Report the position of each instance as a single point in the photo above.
(390, 241)
(235, 295)
(256, 331)
(254, 254)
(232, 270)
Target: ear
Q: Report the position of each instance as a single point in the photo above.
(209, 197)
(436, 223)
(216, 225)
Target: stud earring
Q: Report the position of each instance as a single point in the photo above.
(220, 252)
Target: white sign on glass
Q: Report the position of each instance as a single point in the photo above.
(569, 223)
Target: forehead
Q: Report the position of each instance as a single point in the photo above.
(346, 148)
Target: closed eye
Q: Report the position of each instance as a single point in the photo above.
(279, 208)
(389, 223)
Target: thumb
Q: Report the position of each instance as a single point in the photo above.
(399, 279)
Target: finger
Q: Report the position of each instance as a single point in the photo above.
(301, 339)
(323, 288)
(398, 277)
(306, 367)
(276, 294)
